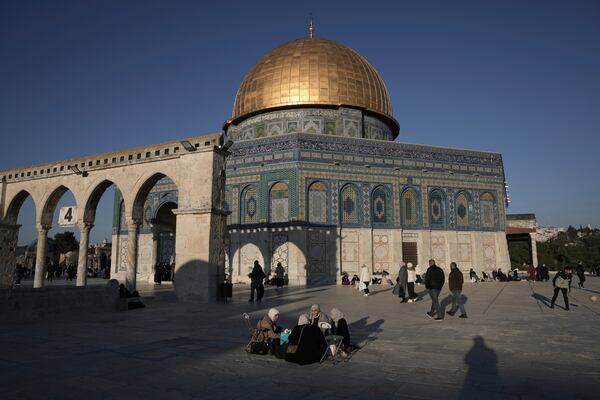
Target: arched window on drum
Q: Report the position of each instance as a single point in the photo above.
(409, 207)
(463, 209)
(437, 209)
(379, 205)
(317, 203)
(486, 205)
(279, 206)
(249, 206)
(349, 203)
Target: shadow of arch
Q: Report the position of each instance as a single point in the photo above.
(14, 207)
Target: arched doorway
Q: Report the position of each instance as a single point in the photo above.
(164, 228)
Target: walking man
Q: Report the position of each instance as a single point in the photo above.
(455, 282)
(256, 282)
(402, 282)
(580, 274)
(434, 282)
(562, 283)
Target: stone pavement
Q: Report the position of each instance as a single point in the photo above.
(193, 351)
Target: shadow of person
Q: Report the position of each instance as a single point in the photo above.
(542, 298)
(446, 301)
(482, 371)
(364, 332)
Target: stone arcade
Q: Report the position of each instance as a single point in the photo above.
(194, 165)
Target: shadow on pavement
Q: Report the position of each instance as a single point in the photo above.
(482, 371)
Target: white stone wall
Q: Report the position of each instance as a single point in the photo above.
(319, 255)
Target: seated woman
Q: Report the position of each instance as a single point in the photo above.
(340, 328)
(306, 343)
(473, 276)
(268, 331)
(345, 279)
(317, 316)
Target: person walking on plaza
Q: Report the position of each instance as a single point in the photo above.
(455, 283)
(365, 279)
(401, 282)
(562, 283)
(279, 274)
(434, 282)
(256, 282)
(411, 280)
(532, 272)
(580, 274)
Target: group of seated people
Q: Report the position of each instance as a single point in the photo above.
(306, 343)
(497, 275)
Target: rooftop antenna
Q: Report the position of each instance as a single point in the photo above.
(311, 28)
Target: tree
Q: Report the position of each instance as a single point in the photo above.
(65, 242)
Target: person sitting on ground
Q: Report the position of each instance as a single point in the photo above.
(494, 275)
(124, 293)
(317, 316)
(355, 280)
(515, 275)
(268, 331)
(339, 327)
(306, 343)
(501, 276)
(473, 276)
(345, 279)
(279, 273)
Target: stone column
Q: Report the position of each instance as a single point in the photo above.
(40, 257)
(155, 237)
(534, 256)
(84, 243)
(132, 254)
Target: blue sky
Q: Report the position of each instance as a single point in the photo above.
(516, 77)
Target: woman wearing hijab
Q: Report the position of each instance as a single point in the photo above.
(340, 328)
(365, 279)
(411, 279)
(317, 316)
(268, 331)
(306, 343)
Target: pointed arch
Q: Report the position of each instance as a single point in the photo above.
(380, 204)
(487, 206)
(14, 207)
(92, 200)
(317, 203)
(409, 207)
(51, 202)
(350, 204)
(437, 209)
(279, 203)
(464, 208)
(249, 205)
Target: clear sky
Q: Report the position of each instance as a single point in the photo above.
(517, 77)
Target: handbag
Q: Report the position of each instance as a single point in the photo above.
(293, 348)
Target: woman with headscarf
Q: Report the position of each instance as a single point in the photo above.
(268, 331)
(365, 279)
(306, 343)
(340, 328)
(317, 316)
(411, 278)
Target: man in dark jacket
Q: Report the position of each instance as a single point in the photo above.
(256, 282)
(562, 283)
(455, 283)
(434, 282)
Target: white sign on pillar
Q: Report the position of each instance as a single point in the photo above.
(67, 216)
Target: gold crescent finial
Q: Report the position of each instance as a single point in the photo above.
(311, 28)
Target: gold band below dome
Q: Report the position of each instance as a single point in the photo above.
(312, 71)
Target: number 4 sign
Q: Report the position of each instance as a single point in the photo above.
(67, 216)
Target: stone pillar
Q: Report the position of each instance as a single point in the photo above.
(132, 254)
(40, 257)
(155, 237)
(534, 257)
(200, 256)
(84, 243)
(9, 237)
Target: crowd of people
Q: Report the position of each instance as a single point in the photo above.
(305, 343)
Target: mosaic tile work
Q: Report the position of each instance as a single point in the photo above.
(250, 205)
(349, 200)
(279, 207)
(380, 205)
(317, 203)
(462, 210)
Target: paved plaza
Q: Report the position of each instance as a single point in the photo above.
(194, 351)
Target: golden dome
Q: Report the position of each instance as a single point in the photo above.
(312, 71)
